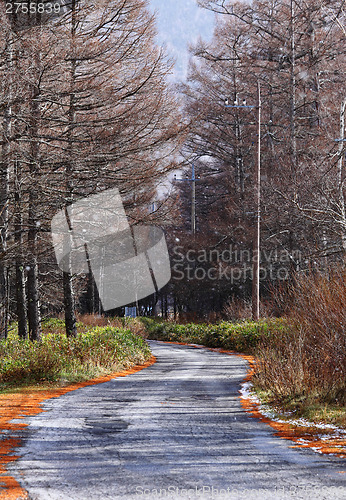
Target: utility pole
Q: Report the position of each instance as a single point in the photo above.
(340, 176)
(256, 256)
(193, 200)
(193, 203)
(256, 253)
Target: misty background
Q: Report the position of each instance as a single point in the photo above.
(180, 23)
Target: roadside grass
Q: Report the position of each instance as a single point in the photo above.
(58, 360)
(309, 408)
(87, 321)
(241, 337)
(304, 366)
(297, 373)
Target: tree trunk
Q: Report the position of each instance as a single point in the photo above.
(34, 316)
(70, 318)
(21, 301)
(4, 198)
(292, 98)
(341, 178)
(19, 264)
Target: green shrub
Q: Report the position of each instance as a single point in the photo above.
(94, 352)
(241, 337)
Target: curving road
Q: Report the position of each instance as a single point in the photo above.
(175, 430)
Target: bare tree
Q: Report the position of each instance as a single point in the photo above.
(297, 53)
(94, 112)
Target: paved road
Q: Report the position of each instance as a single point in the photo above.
(177, 427)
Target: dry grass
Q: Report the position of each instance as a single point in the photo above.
(236, 309)
(98, 320)
(241, 310)
(306, 363)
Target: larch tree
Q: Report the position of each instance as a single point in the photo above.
(297, 53)
(95, 112)
(6, 111)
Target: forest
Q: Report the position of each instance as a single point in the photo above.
(86, 106)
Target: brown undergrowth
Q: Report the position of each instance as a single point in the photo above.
(302, 368)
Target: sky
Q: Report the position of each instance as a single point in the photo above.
(179, 23)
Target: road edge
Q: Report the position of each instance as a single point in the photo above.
(28, 403)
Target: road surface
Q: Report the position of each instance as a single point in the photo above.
(175, 430)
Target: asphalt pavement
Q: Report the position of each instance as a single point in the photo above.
(175, 430)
